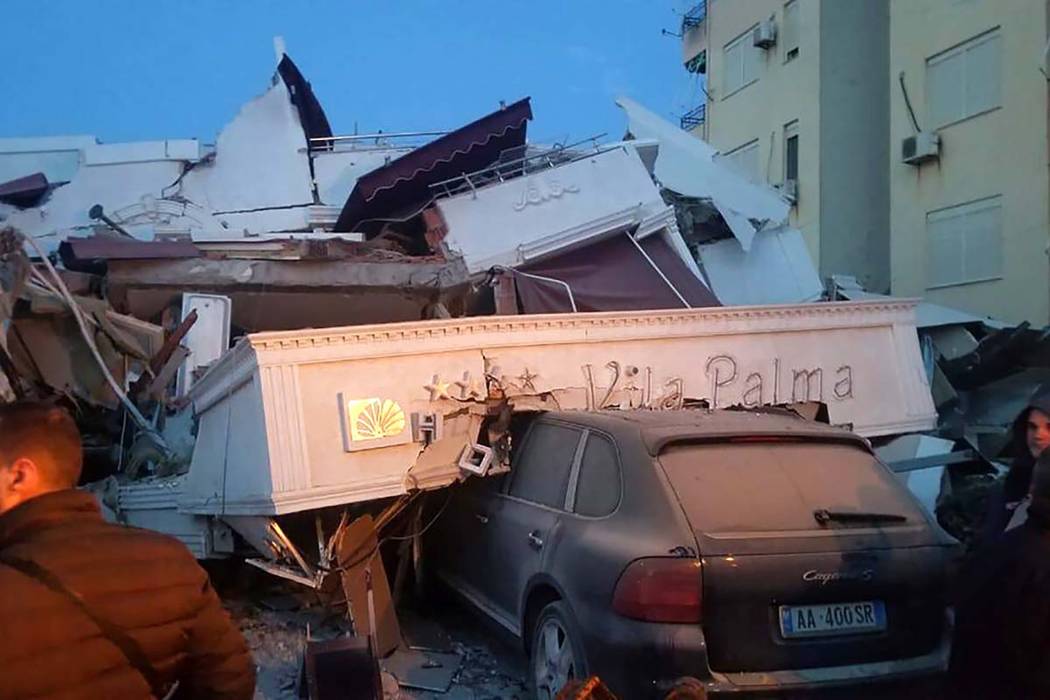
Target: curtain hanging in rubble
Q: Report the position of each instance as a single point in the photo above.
(611, 275)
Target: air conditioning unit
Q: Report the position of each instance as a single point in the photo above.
(764, 35)
(789, 190)
(920, 148)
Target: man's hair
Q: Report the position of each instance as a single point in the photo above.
(45, 434)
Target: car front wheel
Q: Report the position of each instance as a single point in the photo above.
(557, 654)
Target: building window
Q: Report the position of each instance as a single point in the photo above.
(790, 32)
(744, 160)
(965, 243)
(964, 81)
(791, 151)
(740, 62)
(697, 64)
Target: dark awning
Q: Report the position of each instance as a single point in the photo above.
(311, 115)
(24, 191)
(406, 181)
(90, 254)
(611, 275)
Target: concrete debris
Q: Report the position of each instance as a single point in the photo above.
(982, 374)
(776, 270)
(686, 165)
(423, 670)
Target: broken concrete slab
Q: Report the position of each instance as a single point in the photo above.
(928, 315)
(423, 670)
(776, 270)
(290, 294)
(687, 166)
(526, 218)
(57, 157)
(952, 342)
(260, 162)
(67, 208)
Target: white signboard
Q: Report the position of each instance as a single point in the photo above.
(305, 419)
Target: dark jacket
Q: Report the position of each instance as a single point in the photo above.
(1002, 635)
(1018, 479)
(147, 584)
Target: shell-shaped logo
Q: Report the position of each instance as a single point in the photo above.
(374, 419)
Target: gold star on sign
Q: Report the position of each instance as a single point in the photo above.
(437, 388)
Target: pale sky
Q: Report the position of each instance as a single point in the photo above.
(128, 70)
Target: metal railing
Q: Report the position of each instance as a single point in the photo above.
(397, 139)
(695, 16)
(694, 117)
(510, 168)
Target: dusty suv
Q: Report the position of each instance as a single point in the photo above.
(755, 551)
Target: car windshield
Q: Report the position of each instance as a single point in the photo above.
(740, 487)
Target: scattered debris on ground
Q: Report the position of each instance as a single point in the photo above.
(449, 647)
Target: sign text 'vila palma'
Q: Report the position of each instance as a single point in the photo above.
(722, 380)
(726, 381)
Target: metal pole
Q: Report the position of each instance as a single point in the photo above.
(658, 270)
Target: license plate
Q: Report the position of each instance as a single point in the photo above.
(832, 619)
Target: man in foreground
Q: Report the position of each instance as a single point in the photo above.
(91, 609)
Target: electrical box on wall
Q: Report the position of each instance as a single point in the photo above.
(764, 35)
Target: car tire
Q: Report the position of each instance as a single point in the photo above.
(557, 654)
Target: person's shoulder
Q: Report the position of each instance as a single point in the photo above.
(161, 545)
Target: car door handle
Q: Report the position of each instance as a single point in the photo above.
(483, 519)
(534, 539)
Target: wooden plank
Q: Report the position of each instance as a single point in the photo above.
(356, 553)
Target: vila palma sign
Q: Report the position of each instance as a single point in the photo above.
(333, 416)
(727, 384)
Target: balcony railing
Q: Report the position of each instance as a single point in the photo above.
(695, 16)
(694, 117)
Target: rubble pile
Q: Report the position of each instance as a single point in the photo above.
(982, 374)
(172, 250)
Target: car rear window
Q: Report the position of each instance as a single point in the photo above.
(741, 487)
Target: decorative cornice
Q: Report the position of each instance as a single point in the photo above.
(235, 367)
(675, 323)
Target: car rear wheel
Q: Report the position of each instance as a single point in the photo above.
(557, 655)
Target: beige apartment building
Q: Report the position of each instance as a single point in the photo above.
(969, 213)
(796, 97)
(914, 132)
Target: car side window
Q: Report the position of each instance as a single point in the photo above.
(598, 486)
(540, 474)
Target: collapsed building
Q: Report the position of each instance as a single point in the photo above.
(275, 344)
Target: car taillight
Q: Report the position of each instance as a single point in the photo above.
(660, 589)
